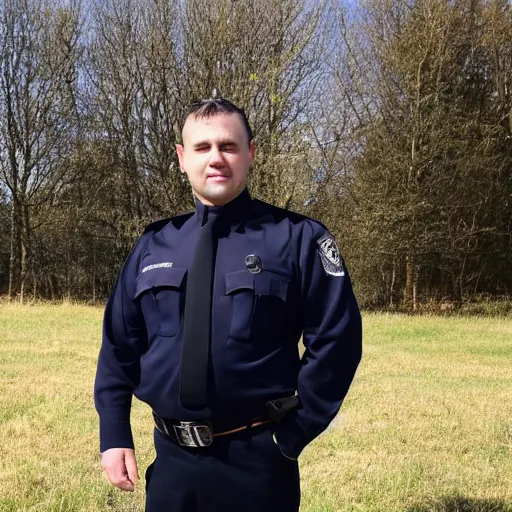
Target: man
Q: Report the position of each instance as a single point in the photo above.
(203, 325)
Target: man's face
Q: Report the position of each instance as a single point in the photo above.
(216, 157)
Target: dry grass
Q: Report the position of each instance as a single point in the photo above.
(427, 426)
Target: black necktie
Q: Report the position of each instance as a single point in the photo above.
(197, 321)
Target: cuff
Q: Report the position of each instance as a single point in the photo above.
(280, 447)
(115, 431)
(291, 438)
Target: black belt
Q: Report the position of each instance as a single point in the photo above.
(198, 434)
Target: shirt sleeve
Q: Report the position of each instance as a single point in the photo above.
(332, 336)
(124, 340)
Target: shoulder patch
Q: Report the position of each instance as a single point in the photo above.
(330, 256)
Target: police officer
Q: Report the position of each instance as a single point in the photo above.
(203, 325)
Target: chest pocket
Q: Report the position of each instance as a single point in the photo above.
(258, 305)
(162, 299)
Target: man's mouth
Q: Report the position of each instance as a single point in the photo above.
(217, 177)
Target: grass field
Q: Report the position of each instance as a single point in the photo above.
(427, 425)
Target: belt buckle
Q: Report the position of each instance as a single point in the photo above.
(194, 434)
(160, 424)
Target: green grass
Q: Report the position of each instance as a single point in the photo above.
(427, 425)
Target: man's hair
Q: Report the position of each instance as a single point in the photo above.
(214, 106)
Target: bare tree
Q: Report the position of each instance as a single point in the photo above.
(38, 55)
(389, 120)
(267, 57)
(134, 69)
(423, 177)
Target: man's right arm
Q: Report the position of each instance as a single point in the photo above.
(124, 340)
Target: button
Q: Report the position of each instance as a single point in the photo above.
(253, 263)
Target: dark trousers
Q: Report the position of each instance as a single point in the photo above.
(241, 472)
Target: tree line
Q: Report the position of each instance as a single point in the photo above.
(388, 120)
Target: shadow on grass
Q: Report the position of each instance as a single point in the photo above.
(461, 504)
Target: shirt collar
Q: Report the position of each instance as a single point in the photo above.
(232, 212)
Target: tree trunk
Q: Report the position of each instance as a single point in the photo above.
(94, 274)
(392, 285)
(409, 291)
(25, 251)
(52, 288)
(34, 282)
(414, 291)
(15, 250)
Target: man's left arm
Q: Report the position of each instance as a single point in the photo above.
(332, 336)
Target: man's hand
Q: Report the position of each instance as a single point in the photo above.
(120, 467)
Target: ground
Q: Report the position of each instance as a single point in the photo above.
(426, 427)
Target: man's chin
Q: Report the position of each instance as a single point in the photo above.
(219, 194)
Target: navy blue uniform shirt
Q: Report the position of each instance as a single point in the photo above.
(257, 322)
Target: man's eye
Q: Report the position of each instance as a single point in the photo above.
(229, 148)
(202, 148)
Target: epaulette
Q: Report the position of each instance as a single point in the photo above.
(177, 220)
(281, 213)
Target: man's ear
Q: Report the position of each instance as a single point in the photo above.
(179, 150)
(252, 150)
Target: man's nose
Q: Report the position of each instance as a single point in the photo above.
(216, 158)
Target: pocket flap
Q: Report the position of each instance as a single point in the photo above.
(264, 283)
(240, 280)
(172, 277)
(268, 283)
